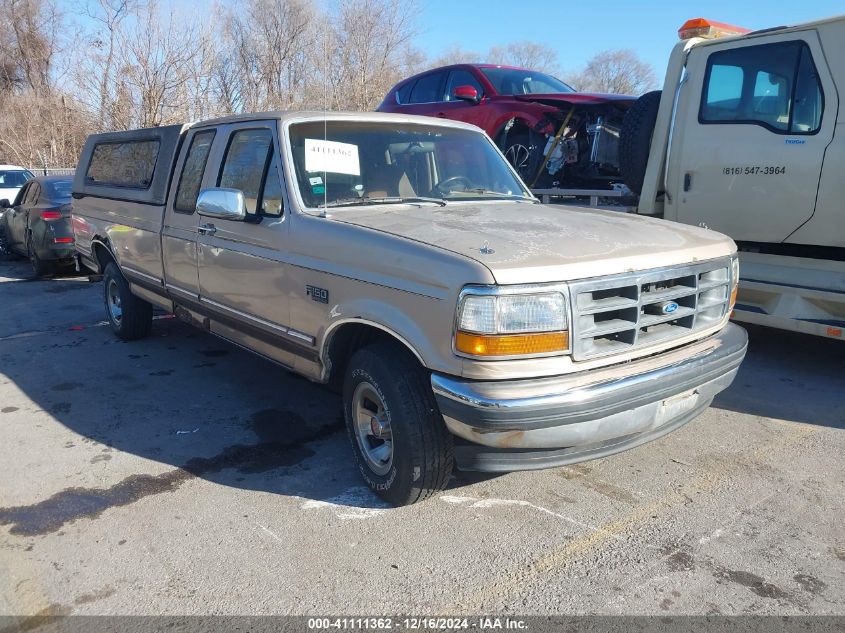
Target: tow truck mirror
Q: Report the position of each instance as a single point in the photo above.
(467, 93)
(226, 204)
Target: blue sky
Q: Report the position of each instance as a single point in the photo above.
(578, 30)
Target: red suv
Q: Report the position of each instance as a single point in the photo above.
(554, 136)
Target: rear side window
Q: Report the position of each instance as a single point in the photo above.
(124, 164)
(428, 89)
(403, 95)
(245, 165)
(775, 86)
(192, 171)
(32, 194)
(59, 190)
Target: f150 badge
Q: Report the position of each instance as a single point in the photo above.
(320, 295)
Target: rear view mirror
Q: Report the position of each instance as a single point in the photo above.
(226, 204)
(467, 93)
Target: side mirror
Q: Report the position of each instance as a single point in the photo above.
(5, 204)
(467, 93)
(226, 204)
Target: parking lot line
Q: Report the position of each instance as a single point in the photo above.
(512, 579)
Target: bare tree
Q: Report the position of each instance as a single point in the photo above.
(525, 54)
(271, 42)
(457, 55)
(616, 71)
(30, 43)
(366, 51)
(97, 66)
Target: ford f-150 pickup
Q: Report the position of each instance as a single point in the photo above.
(402, 261)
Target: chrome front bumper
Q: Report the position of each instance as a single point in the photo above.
(537, 423)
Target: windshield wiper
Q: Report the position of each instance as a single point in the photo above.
(353, 202)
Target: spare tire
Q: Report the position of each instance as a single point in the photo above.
(635, 139)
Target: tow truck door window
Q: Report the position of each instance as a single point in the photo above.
(750, 136)
(763, 85)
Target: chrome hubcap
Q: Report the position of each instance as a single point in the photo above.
(372, 425)
(518, 156)
(113, 302)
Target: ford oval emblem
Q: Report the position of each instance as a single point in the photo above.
(669, 307)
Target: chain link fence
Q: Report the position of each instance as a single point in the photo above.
(53, 171)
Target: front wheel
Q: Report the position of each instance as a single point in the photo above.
(400, 444)
(130, 318)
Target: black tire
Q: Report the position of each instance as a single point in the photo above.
(40, 268)
(135, 320)
(421, 457)
(635, 139)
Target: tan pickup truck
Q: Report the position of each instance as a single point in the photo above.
(401, 260)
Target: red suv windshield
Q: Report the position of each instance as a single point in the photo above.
(512, 81)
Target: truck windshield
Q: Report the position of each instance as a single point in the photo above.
(350, 163)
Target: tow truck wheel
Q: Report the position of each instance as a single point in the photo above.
(635, 139)
(399, 441)
(130, 318)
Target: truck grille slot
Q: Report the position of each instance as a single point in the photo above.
(613, 315)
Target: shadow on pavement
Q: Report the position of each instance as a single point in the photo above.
(789, 376)
(180, 397)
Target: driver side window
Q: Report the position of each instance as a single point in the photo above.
(248, 159)
(461, 78)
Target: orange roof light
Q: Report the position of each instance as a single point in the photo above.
(701, 27)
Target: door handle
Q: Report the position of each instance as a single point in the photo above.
(441, 114)
(206, 229)
(687, 181)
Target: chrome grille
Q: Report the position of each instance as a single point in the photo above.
(613, 315)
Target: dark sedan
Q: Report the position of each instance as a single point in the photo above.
(37, 224)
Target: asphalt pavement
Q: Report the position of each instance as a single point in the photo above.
(182, 475)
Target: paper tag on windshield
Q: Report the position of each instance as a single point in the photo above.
(331, 156)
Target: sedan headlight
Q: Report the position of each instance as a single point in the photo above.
(507, 325)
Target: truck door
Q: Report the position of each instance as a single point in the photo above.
(242, 271)
(753, 123)
(179, 235)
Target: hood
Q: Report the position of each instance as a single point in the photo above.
(526, 243)
(577, 98)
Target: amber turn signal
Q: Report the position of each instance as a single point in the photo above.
(733, 298)
(511, 344)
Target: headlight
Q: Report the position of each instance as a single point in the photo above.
(734, 281)
(503, 325)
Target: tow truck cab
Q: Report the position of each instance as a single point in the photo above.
(749, 140)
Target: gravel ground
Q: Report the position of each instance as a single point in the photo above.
(181, 475)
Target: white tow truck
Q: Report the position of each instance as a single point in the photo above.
(747, 138)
